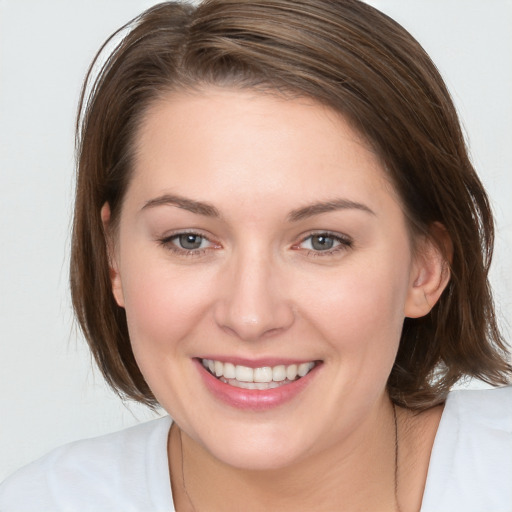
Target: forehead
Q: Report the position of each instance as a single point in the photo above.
(222, 143)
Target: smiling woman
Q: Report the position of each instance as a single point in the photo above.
(280, 239)
(280, 278)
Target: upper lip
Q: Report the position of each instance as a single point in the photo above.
(258, 362)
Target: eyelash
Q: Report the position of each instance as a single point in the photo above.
(344, 243)
(167, 243)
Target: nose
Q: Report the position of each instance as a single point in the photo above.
(252, 301)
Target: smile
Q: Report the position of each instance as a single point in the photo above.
(262, 378)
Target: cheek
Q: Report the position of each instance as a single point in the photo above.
(360, 321)
(360, 307)
(162, 305)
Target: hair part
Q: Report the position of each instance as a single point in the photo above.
(340, 53)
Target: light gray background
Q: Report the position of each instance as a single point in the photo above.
(50, 393)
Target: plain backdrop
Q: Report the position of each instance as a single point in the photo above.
(50, 392)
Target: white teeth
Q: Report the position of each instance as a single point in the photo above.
(254, 385)
(265, 377)
(263, 374)
(229, 371)
(291, 372)
(244, 374)
(279, 373)
(305, 368)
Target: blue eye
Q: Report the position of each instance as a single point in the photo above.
(325, 243)
(189, 241)
(322, 242)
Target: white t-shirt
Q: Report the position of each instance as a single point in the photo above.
(470, 468)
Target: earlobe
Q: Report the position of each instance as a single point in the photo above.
(115, 277)
(430, 272)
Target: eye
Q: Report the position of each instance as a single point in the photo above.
(320, 242)
(326, 243)
(187, 243)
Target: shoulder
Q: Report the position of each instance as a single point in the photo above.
(471, 462)
(117, 471)
(491, 407)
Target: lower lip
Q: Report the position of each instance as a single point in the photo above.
(254, 399)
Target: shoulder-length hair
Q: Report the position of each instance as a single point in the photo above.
(341, 53)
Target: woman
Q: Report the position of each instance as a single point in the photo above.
(280, 239)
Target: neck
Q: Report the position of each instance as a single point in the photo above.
(357, 473)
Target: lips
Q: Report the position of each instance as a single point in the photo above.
(255, 387)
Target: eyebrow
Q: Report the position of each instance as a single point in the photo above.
(208, 210)
(327, 206)
(197, 207)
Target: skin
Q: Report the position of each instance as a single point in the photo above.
(258, 288)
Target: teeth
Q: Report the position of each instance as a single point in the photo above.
(263, 374)
(254, 385)
(229, 371)
(244, 374)
(279, 373)
(265, 377)
(291, 372)
(305, 368)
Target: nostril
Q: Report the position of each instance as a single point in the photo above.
(264, 321)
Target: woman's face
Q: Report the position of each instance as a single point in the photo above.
(259, 237)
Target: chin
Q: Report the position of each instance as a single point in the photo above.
(262, 459)
(256, 449)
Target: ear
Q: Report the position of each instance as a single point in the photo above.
(430, 272)
(115, 277)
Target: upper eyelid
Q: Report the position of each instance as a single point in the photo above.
(179, 232)
(168, 240)
(331, 234)
(302, 238)
(345, 243)
(168, 243)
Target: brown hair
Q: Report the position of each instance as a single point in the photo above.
(342, 53)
